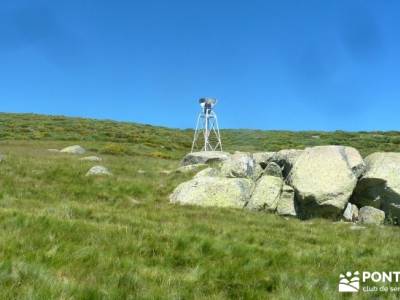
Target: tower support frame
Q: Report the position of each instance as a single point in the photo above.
(207, 132)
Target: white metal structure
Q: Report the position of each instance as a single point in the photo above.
(207, 130)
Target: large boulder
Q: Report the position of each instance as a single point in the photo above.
(213, 191)
(208, 172)
(76, 149)
(286, 204)
(371, 215)
(273, 169)
(266, 194)
(204, 157)
(286, 159)
(379, 187)
(191, 168)
(263, 158)
(355, 161)
(324, 179)
(240, 165)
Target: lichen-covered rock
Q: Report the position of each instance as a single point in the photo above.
(239, 165)
(208, 172)
(351, 213)
(286, 159)
(257, 172)
(379, 187)
(266, 194)
(204, 157)
(191, 168)
(286, 203)
(273, 169)
(371, 215)
(356, 162)
(263, 158)
(98, 171)
(76, 149)
(213, 191)
(323, 179)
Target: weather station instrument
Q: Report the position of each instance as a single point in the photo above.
(207, 136)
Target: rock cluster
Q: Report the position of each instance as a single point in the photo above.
(332, 182)
(79, 150)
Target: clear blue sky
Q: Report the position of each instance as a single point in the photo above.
(293, 65)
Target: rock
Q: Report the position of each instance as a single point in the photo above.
(257, 172)
(263, 158)
(134, 201)
(91, 158)
(140, 171)
(273, 169)
(323, 180)
(240, 165)
(351, 213)
(315, 137)
(73, 150)
(266, 194)
(98, 171)
(191, 168)
(286, 203)
(286, 159)
(209, 172)
(213, 191)
(2, 157)
(371, 215)
(356, 163)
(379, 187)
(204, 157)
(165, 172)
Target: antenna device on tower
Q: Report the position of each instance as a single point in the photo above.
(207, 136)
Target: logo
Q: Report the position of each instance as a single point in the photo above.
(349, 282)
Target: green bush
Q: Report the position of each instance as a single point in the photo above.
(114, 149)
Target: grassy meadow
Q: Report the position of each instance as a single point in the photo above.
(67, 236)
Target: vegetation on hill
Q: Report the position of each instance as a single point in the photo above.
(138, 139)
(67, 236)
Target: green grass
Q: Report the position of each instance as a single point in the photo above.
(66, 236)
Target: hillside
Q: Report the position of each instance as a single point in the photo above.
(67, 236)
(174, 143)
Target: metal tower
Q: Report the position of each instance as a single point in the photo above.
(207, 131)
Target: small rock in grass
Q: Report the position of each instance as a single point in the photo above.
(91, 158)
(76, 149)
(141, 171)
(98, 171)
(165, 172)
(134, 201)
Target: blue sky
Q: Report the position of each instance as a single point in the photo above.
(296, 65)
